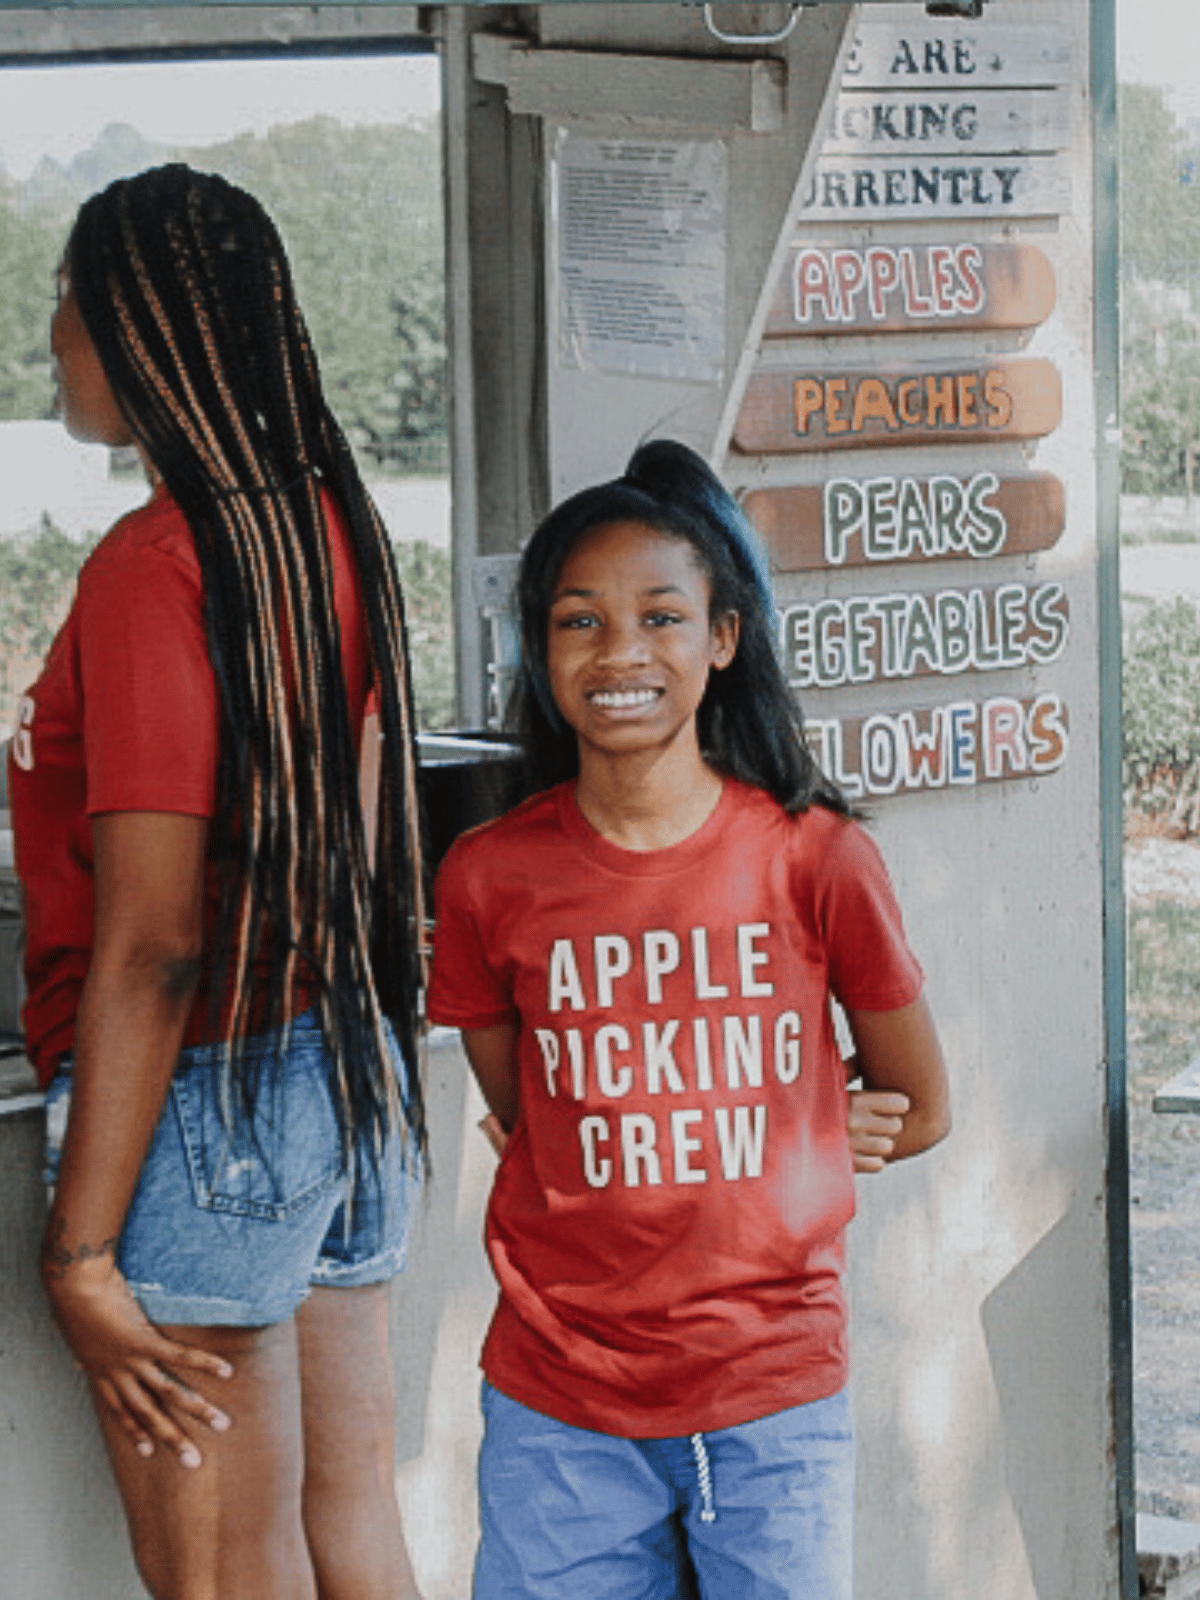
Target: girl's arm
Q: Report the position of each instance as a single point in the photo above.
(904, 1106)
(492, 1053)
(149, 883)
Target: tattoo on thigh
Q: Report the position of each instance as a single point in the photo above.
(57, 1258)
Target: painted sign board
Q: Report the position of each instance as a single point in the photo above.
(807, 411)
(962, 121)
(921, 55)
(878, 189)
(854, 522)
(900, 288)
(864, 638)
(959, 745)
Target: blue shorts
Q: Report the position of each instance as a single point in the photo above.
(762, 1511)
(235, 1231)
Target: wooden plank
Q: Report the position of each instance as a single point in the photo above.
(1182, 1092)
(920, 55)
(957, 745)
(863, 639)
(928, 287)
(850, 522)
(808, 411)
(937, 188)
(689, 93)
(958, 121)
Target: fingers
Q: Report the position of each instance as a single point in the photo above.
(882, 1102)
(876, 1121)
(142, 1397)
(180, 1397)
(493, 1131)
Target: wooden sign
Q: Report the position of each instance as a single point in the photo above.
(853, 522)
(805, 411)
(956, 121)
(957, 746)
(920, 55)
(878, 189)
(894, 288)
(864, 638)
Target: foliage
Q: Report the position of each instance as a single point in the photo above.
(1160, 259)
(429, 611)
(29, 251)
(1161, 421)
(37, 582)
(360, 211)
(1160, 190)
(1162, 715)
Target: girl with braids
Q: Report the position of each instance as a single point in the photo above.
(641, 959)
(219, 991)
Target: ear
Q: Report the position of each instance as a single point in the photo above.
(724, 633)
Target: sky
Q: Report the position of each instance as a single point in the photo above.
(58, 111)
(1156, 44)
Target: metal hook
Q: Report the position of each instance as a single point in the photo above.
(753, 38)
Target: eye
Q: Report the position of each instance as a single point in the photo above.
(575, 620)
(662, 619)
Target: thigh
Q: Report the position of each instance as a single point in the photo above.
(347, 1387)
(565, 1511)
(774, 1518)
(232, 1526)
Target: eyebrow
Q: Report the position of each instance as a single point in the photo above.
(589, 594)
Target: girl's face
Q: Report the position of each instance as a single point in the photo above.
(86, 402)
(630, 644)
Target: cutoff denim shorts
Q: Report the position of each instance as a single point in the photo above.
(236, 1230)
(761, 1511)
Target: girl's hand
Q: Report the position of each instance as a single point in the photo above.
(493, 1131)
(876, 1122)
(133, 1368)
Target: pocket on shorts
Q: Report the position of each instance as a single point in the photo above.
(287, 1158)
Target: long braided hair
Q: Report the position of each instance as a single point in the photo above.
(184, 287)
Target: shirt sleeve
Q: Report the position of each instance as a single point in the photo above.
(871, 967)
(150, 706)
(465, 990)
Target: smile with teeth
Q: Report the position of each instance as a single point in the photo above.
(623, 699)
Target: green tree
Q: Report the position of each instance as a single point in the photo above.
(1161, 421)
(30, 247)
(1160, 190)
(37, 582)
(1162, 715)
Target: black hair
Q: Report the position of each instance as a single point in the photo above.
(749, 724)
(184, 287)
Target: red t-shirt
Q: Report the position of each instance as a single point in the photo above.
(666, 1224)
(125, 717)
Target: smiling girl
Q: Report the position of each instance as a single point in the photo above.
(641, 959)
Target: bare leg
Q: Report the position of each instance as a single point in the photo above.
(232, 1529)
(350, 1511)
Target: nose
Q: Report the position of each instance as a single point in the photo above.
(623, 643)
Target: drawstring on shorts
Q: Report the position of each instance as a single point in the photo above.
(708, 1512)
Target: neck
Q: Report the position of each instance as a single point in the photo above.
(647, 801)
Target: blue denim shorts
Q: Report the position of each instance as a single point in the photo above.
(235, 1230)
(763, 1511)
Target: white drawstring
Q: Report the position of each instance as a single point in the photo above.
(708, 1512)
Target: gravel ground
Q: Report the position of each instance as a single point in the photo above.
(1163, 889)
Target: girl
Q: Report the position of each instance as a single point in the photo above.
(215, 990)
(641, 959)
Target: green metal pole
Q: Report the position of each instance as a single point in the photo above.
(1108, 486)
